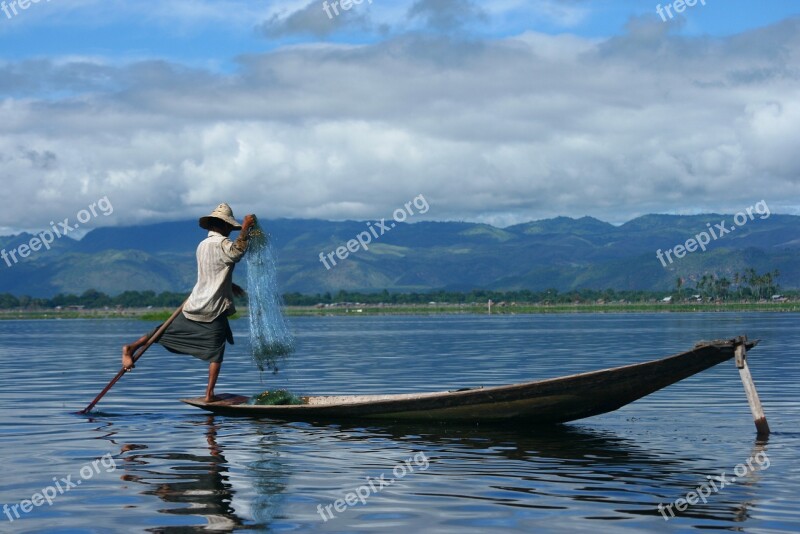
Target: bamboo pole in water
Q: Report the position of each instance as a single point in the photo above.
(136, 356)
(759, 417)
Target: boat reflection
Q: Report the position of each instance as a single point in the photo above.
(599, 466)
(547, 468)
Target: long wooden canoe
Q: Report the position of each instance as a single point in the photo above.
(555, 400)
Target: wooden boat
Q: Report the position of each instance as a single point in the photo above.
(555, 400)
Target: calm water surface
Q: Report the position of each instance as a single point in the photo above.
(160, 466)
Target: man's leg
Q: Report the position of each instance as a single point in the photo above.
(128, 350)
(213, 374)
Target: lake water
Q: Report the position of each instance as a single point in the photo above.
(146, 462)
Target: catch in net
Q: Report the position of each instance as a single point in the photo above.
(270, 338)
(279, 397)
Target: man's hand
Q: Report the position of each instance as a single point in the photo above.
(244, 235)
(238, 291)
(249, 221)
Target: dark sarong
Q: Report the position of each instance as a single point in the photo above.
(201, 340)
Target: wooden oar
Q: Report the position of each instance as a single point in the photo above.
(136, 356)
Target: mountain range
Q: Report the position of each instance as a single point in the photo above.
(561, 253)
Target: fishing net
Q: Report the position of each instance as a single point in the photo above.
(270, 338)
(279, 397)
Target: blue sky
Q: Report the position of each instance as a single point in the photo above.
(222, 30)
(498, 111)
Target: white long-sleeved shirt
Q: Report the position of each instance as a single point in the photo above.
(212, 295)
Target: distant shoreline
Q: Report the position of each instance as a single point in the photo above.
(155, 314)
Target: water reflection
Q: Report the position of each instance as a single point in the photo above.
(185, 471)
(198, 484)
(538, 470)
(743, 482)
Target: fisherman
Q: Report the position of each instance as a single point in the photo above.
(202, 328)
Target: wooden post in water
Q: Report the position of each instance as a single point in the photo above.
(759, 417)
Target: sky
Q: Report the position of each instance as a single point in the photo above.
(498, 111)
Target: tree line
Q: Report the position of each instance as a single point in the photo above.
(742, 286)
(92, 298)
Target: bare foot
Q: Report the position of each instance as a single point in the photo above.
(212, 398)
(127, 358)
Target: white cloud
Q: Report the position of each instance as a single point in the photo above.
(505, 130)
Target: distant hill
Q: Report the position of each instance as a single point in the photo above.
(560, 253)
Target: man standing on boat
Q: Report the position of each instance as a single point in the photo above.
(202, 328)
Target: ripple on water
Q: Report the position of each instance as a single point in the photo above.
(178, 469)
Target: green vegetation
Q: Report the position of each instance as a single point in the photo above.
(516, 308)
(746, 285)
(278, 397)
(562, 253)
(746, 291)
(94, 299)
(359, 309)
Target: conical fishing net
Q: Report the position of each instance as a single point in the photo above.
(270, 338)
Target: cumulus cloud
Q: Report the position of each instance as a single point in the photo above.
(501, 130)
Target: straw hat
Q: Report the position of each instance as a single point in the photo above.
(224, 213)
